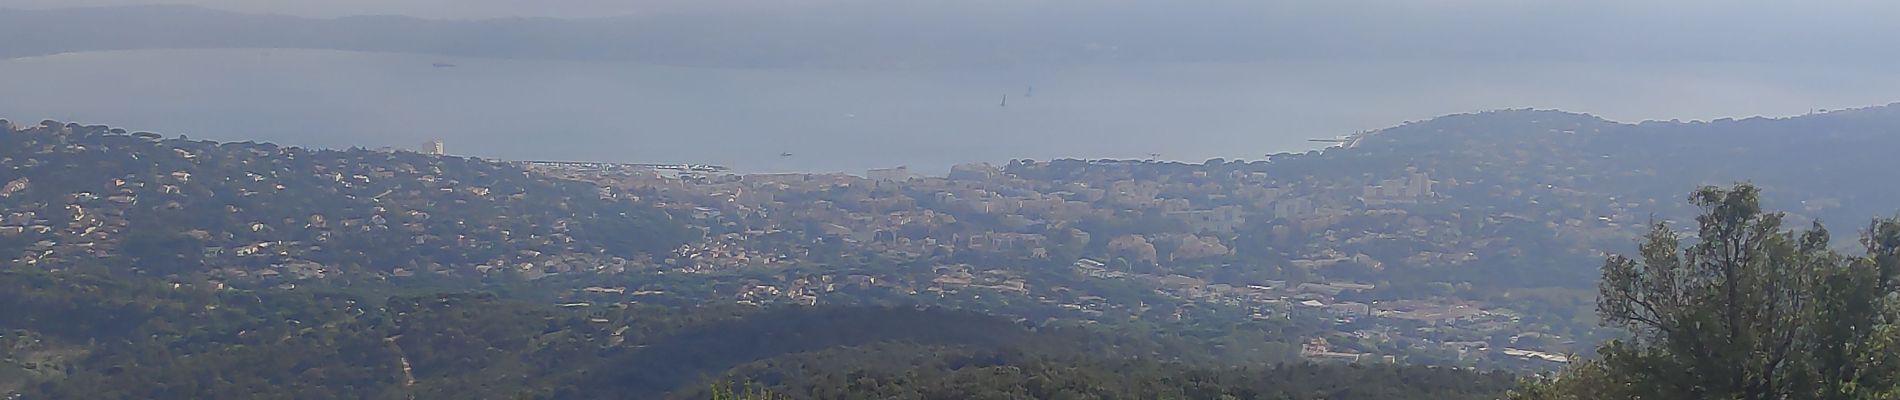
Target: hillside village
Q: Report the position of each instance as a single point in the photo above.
(250, 210)
(1429, 242)
(1213, 234)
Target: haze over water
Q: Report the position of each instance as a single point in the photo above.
(850, 120)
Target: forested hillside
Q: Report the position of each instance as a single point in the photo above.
(1814, 165)
(839, 376)
(101, 197)
(71, 335)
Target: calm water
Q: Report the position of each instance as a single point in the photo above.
(843, 120)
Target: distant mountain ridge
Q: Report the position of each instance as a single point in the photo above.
(1831, 156)
(1532, 197)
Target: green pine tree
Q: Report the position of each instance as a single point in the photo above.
(1744, 310)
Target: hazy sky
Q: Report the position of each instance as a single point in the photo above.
(1834, 13)
(1815, 32)
(457, 9)
(1620, 30)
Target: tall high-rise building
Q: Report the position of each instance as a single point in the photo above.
(436, 147)
(1420, 186)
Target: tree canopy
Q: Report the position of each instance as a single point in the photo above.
(1744, 309)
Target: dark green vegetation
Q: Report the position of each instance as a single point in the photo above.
(1123, 379)
(73, 335)
(1746, 310)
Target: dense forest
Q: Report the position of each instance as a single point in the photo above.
(86, 335)
(1120, 379)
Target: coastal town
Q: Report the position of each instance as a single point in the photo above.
(1191, 234)
(1421, 260)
